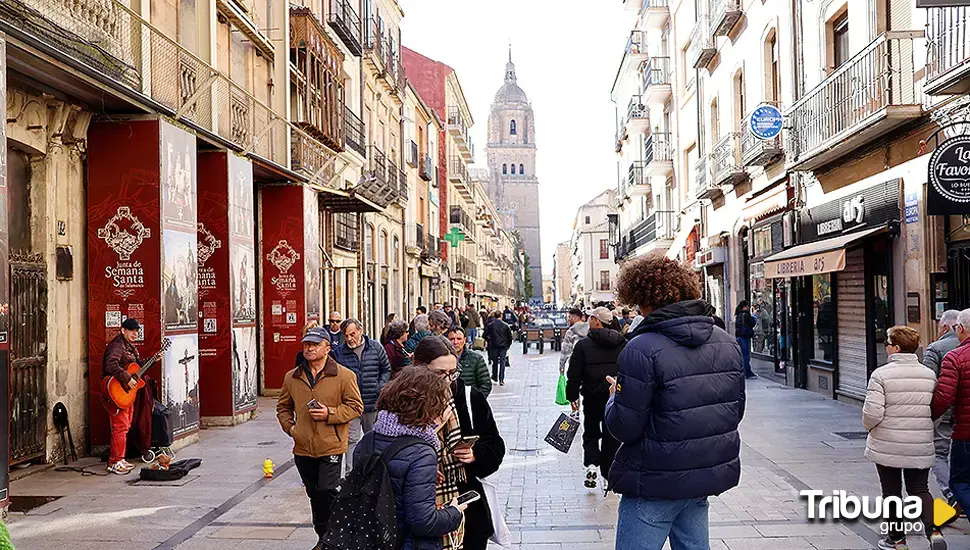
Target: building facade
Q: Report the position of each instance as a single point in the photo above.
(593, 265)
(563, 273)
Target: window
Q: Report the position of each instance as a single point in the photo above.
(505, 169)
(383, 248)
(513, 169)
(840, 40)
(587, 220)
(345, 231)
(521, 170)
(369, 243)
(715, 122)
(772, 89)
(604, 249)
(604, 280)
(740, 102)
(823, 309)
(512, 127)
(396, 252)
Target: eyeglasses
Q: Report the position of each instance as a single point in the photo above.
(451, 376)
(332, 321)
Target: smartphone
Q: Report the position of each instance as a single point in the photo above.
(314, 404)
(469, 497)
(467, 442)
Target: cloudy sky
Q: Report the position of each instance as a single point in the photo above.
(566, 54)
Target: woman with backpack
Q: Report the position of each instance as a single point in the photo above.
(415, 404)
(464, 467)
(744, 331)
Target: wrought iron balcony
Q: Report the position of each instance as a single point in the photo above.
(459, 217)
(728, 168)
(374, 44)
(654, 13)
(426, 170)
(345, 22)
(636, 175)
(412, 153)
(756, 151)
(637, 115)
(402, 179)
(651, 233)
(702, 178)
(701, 49)
(457, 170)
(724, 15)
(658, 154)
(431, 251)
(354, 131)
(870, 94)
(656, 80)
(458, 127)
(948, 51)
(418, 238)
(319, 101)
(465, 268)
(635, 50)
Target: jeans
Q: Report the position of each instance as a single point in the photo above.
(599, 447)
(320, 478)
(960, 471)
(472, 334)
(120, 424)
(745, 344)
(891, 480)
(358, 427)
(941, 441)
(645, 524)
(499, 359)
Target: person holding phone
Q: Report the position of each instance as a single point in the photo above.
(415, 403)
(473, 448)
(318, 400)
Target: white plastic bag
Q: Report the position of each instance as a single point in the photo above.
(502, 536)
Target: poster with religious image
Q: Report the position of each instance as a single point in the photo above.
(181, 386)
(244, 369)
(311, 225)
(178, 178)
(242, 272)
(180, 304)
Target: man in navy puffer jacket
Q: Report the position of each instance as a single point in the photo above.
(676, 405)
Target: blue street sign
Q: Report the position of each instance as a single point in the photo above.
(765, 122)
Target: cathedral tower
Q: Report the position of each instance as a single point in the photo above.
(511, 153)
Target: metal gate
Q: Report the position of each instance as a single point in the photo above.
(28, 357)
(959, 269)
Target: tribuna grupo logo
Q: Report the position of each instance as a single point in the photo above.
(892, 513)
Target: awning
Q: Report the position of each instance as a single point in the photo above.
(814, 258)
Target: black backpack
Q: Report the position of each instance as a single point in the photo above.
(364, 516)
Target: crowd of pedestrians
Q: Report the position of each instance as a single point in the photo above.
(415, 401)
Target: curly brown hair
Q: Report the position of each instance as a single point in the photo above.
(417, 395)
(654, 281)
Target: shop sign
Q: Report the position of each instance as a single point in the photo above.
(912, 208)
(823, 262)
(766, 122)
(428, 271)
(949, 178)
(871, 207)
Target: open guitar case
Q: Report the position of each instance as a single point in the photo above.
(151, 423)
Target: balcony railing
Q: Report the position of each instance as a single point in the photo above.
(660, 225)
(635, 49)
(457, 125)
(728, 168)
(374, 42)
(656, 72)
(756, 151)
(432, 248)
(419, 235)
(457, 170)
(870, 94)
(465, 267)
(426, 169)
(412, 153)
(402, 180)
(636, 175)
(459, 217)
(724, 15)
(318, 108)
(345, 22)
(354, 131)
(637, 110)
(701, 49)
(705, 188)
(948, 50)
(658, 148)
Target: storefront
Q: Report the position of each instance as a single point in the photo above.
(769, 298)
(841, 278)
(709, 261)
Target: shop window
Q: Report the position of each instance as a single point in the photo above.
(762, 309)
(823, 314)
(762, 241)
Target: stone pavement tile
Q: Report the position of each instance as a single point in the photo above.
(803, 529)
(779, 543)
(245, 532)
(839, 542)
(733, 532)
(203, 543)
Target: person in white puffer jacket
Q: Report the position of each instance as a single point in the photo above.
(898, 417)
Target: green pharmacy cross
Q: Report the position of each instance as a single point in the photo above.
(454, 237)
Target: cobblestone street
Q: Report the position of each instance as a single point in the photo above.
(791, 441)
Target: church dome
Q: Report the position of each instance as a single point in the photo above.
(510, 91)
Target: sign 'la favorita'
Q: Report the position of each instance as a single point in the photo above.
(948, 191)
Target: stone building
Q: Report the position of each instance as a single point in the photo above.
(511, 154)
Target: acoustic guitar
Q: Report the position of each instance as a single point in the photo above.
(123, 396)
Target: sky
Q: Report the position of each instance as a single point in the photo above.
(566, 55)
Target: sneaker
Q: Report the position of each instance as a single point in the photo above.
(119, 468)
(494, 379)
(591, 475)
(502, 383)
(936, 540)
(889, 544)
(752, 376)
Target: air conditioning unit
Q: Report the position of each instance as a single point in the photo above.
(710, 256)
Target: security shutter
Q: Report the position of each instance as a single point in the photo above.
(851, 297)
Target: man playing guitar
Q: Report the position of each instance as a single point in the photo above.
(120, 353)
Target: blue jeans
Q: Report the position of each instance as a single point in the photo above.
(472, 334)
(645, 524)
(960, 471)
(745, 344)
(499, 358)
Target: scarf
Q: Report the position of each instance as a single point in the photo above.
(453, 472)
(388, 425)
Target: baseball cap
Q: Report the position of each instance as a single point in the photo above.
(603, 314)
(316, 335)
(130, 324)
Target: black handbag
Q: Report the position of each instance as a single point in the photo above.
(564, 431)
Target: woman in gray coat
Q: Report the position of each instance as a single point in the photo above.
(898, 417)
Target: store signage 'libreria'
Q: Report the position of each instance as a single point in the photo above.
(949, 178)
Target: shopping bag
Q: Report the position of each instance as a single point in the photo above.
(561, 391)
(502, 535)
(563, 431)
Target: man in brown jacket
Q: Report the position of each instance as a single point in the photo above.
(121, 352)
(317, 403)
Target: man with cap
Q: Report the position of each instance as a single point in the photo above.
(593, 360)
(319, 391)
(120, 353)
